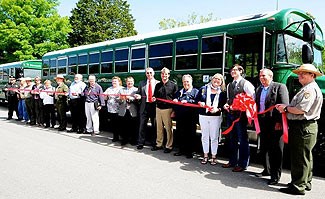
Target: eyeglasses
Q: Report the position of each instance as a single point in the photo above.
(149, 72)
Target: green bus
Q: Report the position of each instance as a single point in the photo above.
(274, 40)
(30, 68)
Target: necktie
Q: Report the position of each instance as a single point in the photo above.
(149, 92)
(234, 84)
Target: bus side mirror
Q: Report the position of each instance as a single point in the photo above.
(308, 33)
(307, 54)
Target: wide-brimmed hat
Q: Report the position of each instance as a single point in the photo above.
(28, 79)
(309, 68)
(59, 77)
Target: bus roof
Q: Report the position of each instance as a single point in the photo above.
(224, 25)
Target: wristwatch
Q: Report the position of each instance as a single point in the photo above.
(285, 109)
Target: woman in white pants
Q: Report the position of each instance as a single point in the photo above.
(214, 96)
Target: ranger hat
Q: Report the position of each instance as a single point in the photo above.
(309, 68)
(59, 77)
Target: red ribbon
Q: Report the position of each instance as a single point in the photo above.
(245, 103)
(183, 104)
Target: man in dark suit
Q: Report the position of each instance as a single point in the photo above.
(268, 94)
(147, 107)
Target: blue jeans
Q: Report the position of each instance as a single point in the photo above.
(22, 111)
(238, 141)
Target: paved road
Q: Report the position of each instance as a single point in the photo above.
(43, 163)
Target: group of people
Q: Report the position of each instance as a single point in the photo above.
(130, 108)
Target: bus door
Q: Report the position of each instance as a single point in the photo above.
(253, 52)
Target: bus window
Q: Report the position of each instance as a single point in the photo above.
(62, 66)
(186, 54)
(281, 56)
(82, 64)
(107, 62)
(138, 59)
(293, 49)
(46, 65)
(121, 60)
(248, 53)
(318, 62)
(19, 73)
(72, 65)
(161, 55)
(94, 63)
(53, 67)
(212, 48)
(6, 74)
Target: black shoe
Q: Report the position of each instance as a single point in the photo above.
(273, 182)
(61, 129)
(156, 148)
(263, 173)
(72, 130)
(115, 140)
(46, 126)
(178, 154)
(189, 156)
(167, 150)
(308, 187)
(292, 190)
(139, 147)
(124, 142)
(9, 118)
(80, 131)
(32, 123)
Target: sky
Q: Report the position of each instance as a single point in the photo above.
(148, 13)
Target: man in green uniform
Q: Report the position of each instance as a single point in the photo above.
(61, 94)
(303, 113)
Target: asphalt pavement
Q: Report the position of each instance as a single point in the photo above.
(45, 163)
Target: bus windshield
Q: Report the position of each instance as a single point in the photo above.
(289, 50)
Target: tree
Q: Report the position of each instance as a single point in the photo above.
(100, 20)
(192, 19)
(30, 28)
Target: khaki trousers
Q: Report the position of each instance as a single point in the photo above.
(164, 121)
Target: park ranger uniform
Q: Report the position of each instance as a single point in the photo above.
(303, 130)
(61, 93)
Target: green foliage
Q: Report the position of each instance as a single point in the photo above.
(192, 19)
(30, 28)
(100, 20)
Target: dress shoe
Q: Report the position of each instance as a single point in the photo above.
(9, 118)
(228, 165)
(72, 130)
(238, 169)
(292, 190)
(273, 182)
(115, 140)
(263, 173)
(178, 154)
(139, 147)
(80, 131)
(167, 150)
(156, 148)
(61, 129)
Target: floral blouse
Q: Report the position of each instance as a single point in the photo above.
(113, 99)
